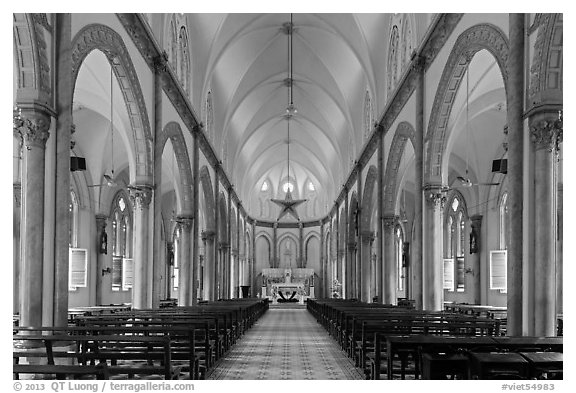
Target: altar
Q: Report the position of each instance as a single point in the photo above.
(288, 285)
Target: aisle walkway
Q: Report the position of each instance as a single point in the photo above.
(286, 344)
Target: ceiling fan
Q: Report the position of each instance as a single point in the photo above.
(465, 182)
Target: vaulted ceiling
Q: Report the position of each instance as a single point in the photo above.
(242, 59)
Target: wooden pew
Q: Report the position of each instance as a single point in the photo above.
(106, 349)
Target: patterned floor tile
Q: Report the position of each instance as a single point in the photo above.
(286, 344)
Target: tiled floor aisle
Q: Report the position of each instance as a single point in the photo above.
(286, 344)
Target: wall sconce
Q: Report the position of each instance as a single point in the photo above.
(468, 271)
(106, 271)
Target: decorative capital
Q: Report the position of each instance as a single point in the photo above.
(141, 196)
(435, 196)
(223, 245)
(389, 222)
(208, 235)
(185, 222)
(547, 134)
(32, 126)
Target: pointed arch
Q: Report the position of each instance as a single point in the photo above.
(109, 42)
(367, 198)
(30, 50)
(546, 74)
(471, 41)
(206, 183)
(223, 218)
(353, 217)
(173, 131)
(404, 132)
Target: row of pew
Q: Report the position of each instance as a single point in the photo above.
(389, 342)
(165, 343)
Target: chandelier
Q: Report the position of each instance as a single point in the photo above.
(288, 205)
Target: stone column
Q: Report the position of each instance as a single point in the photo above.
(101, 221)
(364, 270)
(32, 125)
(141, 289)
(379, 224)
(433, 264)
(362, 282)
(238, 265)
(559, 250)
(475, 257)
(546, 134)
(416, 260)
(301, 259)
(338, 252)
(322, 273)
(346, 265)
(16, 222)
(64, 88)
(515, 109)
(390, 272)
(209, 265)
(169, 268)
(350, 264)
(185, 285)
(223, 251)
(216, 265)
(275, 261)
(253, 262)
(196, 214)
(158, 262)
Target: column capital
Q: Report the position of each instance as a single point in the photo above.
(17, 188)
(208, 235)
(223, 245)
(185, 222)
(435, 196)
(32, 125)
(141, 196)
(546, 132)
(389, 221)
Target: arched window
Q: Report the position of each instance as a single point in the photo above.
(407, 40)
(73, 230)
(121, 242)
(288, 186)
(173, 44)
(264, 199)
(504, 222)
(184, 57)
(455, 246)
(312, 199)
(393, 60)
(367, 115)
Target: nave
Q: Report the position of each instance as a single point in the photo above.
(286, 343)
(201, 161)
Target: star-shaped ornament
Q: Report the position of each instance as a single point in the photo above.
(288, 205)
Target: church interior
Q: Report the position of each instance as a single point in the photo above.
(287, 196)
